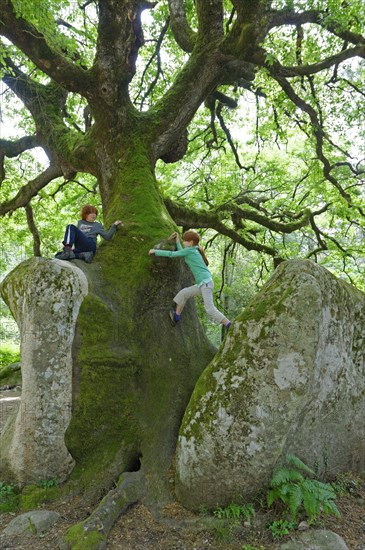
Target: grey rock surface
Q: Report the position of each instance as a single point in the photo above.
(44, 297)
(31, 523)
(289, 378)
(320, 539)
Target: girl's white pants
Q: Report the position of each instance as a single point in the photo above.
(206, 290)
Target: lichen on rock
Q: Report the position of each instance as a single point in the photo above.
(289, 378)
(44, 297)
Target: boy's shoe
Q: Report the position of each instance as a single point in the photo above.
(173, 321)
(66, 254)
(86, 256)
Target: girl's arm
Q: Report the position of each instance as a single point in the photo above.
(175, 235)
(169, 253)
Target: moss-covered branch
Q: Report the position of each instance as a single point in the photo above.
(35, 96)
(188, 217)
(183, 33)
(215, 59)
(290, 17)
(233, 213)
(34, 44)
(172, 114)
(358, 51)
(46, 103)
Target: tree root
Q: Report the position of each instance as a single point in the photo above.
(92, 533)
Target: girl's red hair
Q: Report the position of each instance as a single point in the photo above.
(194, 236)
(88, 209)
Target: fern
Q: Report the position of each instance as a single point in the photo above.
(284, 475)
(298, 464)
(298, 492)
(295, 499)
(235, 512)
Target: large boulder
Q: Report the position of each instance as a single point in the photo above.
(44, 297)
(289, 378)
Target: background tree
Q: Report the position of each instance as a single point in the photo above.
(109, 89)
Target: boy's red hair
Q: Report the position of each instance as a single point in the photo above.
(88, 209)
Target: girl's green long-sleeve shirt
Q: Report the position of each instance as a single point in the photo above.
(194, 260)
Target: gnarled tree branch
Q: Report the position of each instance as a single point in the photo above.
(35, 96)
(31, 189)
(156, 54)
(46, 104)
(210, 20)
(317, 131)
(33, 229)
(183, 33)
(120, 36)
(33, 43)
(13, 149)
(193, 218)
(298, 70)
(290, 17)
(268, 222)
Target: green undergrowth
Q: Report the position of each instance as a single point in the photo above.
(15, 499)
(294, 486)
(9, 353)
(9, 497)
(32, 496)
(281, 527)
(11, 375)
(292, 496)
(236, 512)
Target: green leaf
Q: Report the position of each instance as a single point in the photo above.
(295, 461)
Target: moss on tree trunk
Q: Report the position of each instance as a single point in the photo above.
(133, 372)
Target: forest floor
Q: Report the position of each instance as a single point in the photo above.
(178, 529)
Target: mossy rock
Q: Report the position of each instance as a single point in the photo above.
(11, 375)
(288, 379)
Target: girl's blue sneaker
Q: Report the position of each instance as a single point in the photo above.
(173, 317)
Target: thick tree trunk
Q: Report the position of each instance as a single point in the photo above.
(133, 372)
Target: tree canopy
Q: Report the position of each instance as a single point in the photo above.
(263, 100)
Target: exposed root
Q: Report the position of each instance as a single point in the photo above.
(92, 533)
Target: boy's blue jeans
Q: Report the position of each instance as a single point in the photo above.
(78, 239)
